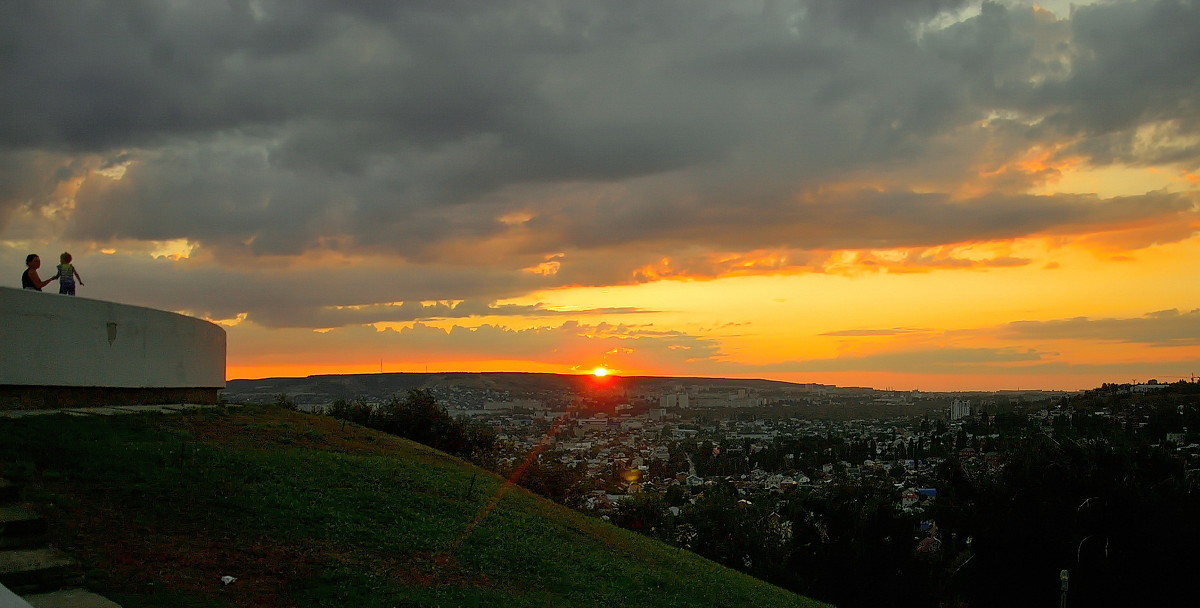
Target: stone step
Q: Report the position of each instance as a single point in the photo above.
(9, 491)
(20, 527)
(38, 570)
(70, 598)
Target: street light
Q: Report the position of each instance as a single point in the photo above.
(1063, 576)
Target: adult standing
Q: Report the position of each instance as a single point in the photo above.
(30, 278)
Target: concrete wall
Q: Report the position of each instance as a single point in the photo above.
(62, 342)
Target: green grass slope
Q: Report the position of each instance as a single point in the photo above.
(304, 511)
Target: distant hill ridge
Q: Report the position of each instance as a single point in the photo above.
(517, 382)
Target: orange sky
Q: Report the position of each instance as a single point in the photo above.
(847, 324)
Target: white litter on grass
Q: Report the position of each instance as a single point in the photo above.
(228, 579)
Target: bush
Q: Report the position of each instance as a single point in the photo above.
(284, 401)
(421, 418)
(357, 411)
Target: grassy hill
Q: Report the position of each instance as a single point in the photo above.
(307, 512)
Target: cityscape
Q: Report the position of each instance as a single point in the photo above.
(811, 476)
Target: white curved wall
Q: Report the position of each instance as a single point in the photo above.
(61, 341)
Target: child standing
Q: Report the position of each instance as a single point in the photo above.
(67, 275)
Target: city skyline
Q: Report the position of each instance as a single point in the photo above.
(926, 194)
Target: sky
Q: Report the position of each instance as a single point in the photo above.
(909, 194)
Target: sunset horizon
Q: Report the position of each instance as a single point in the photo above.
(878, 382)
(934, 196)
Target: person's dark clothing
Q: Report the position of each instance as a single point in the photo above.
(27, 281)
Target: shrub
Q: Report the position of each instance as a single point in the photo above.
(421, 418)
(284, 401)
(357, 411)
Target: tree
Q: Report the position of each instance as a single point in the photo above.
(421, 418)
(676, 495)
(546, 474)
(357, 411)
(284, 401)
(645, 513)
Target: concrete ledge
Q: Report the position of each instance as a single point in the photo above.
(16, 397)
(63, 351)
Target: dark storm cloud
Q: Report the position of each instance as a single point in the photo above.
(874, 15)
(472, 140)
(868, 218)
(1109, 70)
(27, 180)
(1129, 66)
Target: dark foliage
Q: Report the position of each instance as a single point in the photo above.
(545, 473)
(421, 418)
(1093, 489)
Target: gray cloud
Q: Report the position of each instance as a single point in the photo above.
(277, 294)
(463, 142)
(1162, 328)
(568, 344)
(1099, 76)
(325, 317)
(1127, 65)
(859, 333)
(946, 360)
(1014, 366)
(858, 219)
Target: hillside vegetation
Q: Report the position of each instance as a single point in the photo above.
(306, 511)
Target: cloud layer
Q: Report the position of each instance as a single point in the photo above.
(329, 164)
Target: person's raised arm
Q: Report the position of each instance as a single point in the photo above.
(38, 280)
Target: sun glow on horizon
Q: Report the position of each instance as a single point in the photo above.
(600, 372)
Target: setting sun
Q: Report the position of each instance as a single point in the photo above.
(600, 371)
